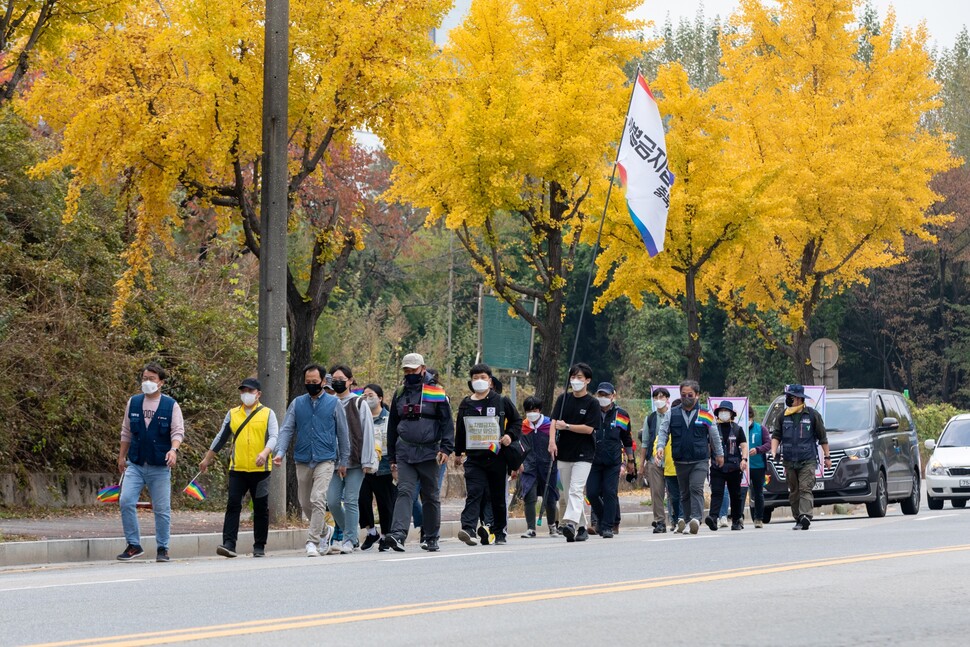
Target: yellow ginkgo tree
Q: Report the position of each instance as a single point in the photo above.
(848, 142)
(508, 138)
(166, 104)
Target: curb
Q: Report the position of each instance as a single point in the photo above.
(63, 551)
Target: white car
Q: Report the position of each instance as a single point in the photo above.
(948, 470)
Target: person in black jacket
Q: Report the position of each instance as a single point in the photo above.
(613, 440)
(735, 445)
(485, 468)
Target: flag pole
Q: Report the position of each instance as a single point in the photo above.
(589, 277)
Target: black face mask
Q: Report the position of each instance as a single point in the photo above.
(313, 389)
(340, 386)
(789, 401)
(687, 403)
(413, 379)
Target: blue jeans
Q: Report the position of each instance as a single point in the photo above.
(158, 479)
(673, 499)
(343, 497)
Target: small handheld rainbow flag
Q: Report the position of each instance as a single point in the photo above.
(110, 494)
(357, 391)
(194, 489)
(433, 393)
(622, 421)
(705, 417)
(494, 447)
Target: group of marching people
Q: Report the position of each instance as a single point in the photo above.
(355, 449)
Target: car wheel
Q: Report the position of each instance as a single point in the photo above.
(934, 504)
(766, 516)
(910, 505)
(878, 507)
(958, 503)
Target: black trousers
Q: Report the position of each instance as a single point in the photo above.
(378, 488)
(733, 481)
(257, 485)
(601, 488)
(480, 479)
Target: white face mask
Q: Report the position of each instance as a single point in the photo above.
(248, 399)
(534, 416)
(604, 402)
(724, 416)
(480, 386)
(660, 402)
(578, 385)
(148, 387)
(373, 402)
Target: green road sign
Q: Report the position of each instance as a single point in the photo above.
(506, 341)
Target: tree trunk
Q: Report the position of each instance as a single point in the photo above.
(693, 351)
(547, 373)
(801, 357)
(302, 318)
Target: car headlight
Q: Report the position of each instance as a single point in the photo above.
(859, 453)
(936, 469)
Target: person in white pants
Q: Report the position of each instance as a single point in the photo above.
(575, 416)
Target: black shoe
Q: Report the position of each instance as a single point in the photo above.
(394, 543)
(659, 528)
(162, 555)
(607, 534)
(737, 525)
(711, 522)
(500, 540)
(483, 534)
(382, 545)
(653, 524)
(569, 532)
(369, 541)
(804, 522)
(582, 534)
(432, 546)
(259, 551)
(616, 529)
(131, 552)
(226, 550)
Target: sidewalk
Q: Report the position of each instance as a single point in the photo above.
(95, 535)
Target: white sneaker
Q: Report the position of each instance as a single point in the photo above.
(327, 536)
(722, 522)
(346, 547)
(694, 526)
(312, 550)
(681, 524)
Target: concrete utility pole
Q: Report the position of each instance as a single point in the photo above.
(272, 225)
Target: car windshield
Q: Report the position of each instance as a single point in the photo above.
(956, 434)
(847, 414)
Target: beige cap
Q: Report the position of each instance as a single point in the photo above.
(412, 360)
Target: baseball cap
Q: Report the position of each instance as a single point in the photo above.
(412, 360)
(606, 387)
(250, 383)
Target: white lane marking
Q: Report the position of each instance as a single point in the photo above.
(705, 536)
(939, 516)
(54, 586)
(411, 559)
(846, 529)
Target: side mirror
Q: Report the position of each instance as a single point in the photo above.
(889, 423)
(930, 444)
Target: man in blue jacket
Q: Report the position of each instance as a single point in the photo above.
(321, 445)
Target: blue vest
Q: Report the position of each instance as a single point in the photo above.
(609, 445)
(755, 439)
(688, 444)
(150, 443)
(316, 430)
(798, 437)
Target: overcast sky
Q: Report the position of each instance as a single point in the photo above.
(944, 18)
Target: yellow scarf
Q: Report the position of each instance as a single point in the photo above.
(793, 410)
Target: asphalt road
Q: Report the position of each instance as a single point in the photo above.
(846, 581)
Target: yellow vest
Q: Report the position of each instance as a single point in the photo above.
(669, 468)
(250, 442)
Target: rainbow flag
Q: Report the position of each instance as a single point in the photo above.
(433, 393)
(110, 494)
(494, 447)
(622, 421)
(194, 490)
(705, 417)
(357, 391)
